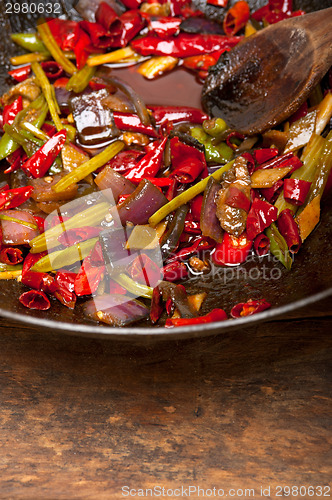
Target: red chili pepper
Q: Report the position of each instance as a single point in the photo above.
(65, 288)
(11, 110)
(177, 114)
(128, 121)
(289, 230)
(261, 244)
(72, 236)
(35, 300)
(150, 164)
(39, 163)
(20, 74)
(174, 271)
(196, 207)
(296, 190)
(82, 48)
(13, 198)
(100, 38)
(39, 281)
(40, 223)
(15, 160)
(265, 154)
(160, 181)
(237, 199)
(132, 23)
(260, 14)
(200, 244)
(107, 17)
(132, 4)
(249, 308)
(284, 6)
(164, 26)
(187, 162)
(156, 308)
(49, 129)
(52, 69)
(191, 226)
(234, 135)
(272, 193)
(300, 113)
(250, 162)
(211, 317)
(61, 82)
(236, 18)
(217, 3)
(88, 278)
(145, 271)
(11, 255)
(199, 63)
(260, 216)
(183, 45)
(286, 160)
(65, 32)
(232, 250)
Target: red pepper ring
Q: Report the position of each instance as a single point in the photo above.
(234, 135)
(145, 271)
(108, 18)
(175, 271)
(261, 244)
(289, 230)
(11, 256)
(211, 317)
(33, 299)
(52, 69)
(249, 308)
(296, 190)
(232, 250)
(236, 18)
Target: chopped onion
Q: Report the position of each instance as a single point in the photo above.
(115, 310)
(210, 225)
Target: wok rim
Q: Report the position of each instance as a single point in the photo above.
(162, 333)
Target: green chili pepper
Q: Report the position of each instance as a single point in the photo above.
(29, 41)
(214, 127)
(29, 146)
(219, 153)
(66, 257)
(81, 79)
(35, 113)
(278, 246)
(133, 287)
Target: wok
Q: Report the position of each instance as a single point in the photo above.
(309, 280)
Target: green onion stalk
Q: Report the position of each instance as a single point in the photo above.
(50, 43)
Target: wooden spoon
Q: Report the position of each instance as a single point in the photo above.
(267, 76)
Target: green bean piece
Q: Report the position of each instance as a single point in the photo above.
(29, 41)
(50, 43)
(48, 91)
(65, 257)
(18, 221)
(34, 113)
(278, 246)
(187, 195)
(215, 126)
(92, 216)
(80, 80)
(89, 166)
(133, 287)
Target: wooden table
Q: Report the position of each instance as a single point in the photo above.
(83, 418)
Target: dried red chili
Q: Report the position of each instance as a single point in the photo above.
(145, 271)
(249, 308)
(20, 74)
(236, 18)
(12, 198)
(33, 299)
(177, 114)
(11, 110)
(11, 255)
(39, 163)
(150, 164)
(296, 190)
(211, 317)
(289, 230)
(175, 271)
(232, 250)
(261, 244)
(260, 216)
(52, 69)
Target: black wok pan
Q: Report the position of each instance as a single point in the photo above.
(309, 280)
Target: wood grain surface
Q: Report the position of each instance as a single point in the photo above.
(82, 418)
